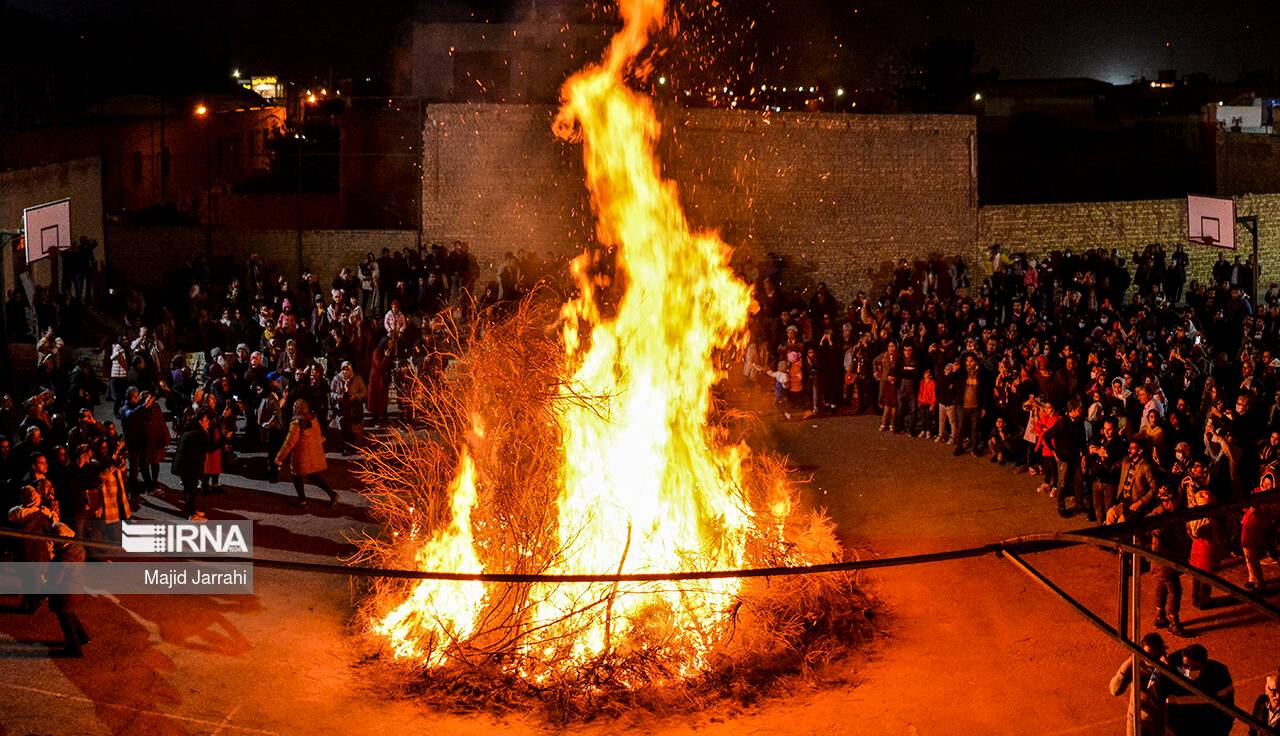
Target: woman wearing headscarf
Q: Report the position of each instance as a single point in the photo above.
(380, 379)
(1256, 530)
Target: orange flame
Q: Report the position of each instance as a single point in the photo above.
(645, 489)
(644, 486)
(440, 612)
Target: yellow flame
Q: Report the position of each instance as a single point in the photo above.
(644, 486)
(440, 612)
(645, 489)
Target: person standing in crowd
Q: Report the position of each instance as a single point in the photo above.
(189, 461)
(1188, 714)
(1136, 487)
(395, 321)
(908, 387)
(945, 389)
(885, 370)
(1066, 440)
(1257, 527)
(271, 423)
(36, 511)
(303, 448)
(1206, 543)
(971, 405)
(108, 501)
(1150, 699)
(1169, 540)
(146, 436)
(1102, 467)
(118, 373)
(1266, 708)
(348, 393)
(368, 274)
(926, 401)
(380, 379)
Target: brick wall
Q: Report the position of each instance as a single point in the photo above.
(840, 196)
(1129, 226)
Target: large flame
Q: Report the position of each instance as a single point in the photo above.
(644, 487)
(645, 490)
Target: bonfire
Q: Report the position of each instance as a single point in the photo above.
(583, 438)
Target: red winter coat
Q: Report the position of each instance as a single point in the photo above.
(1257, 525)
(379, 383)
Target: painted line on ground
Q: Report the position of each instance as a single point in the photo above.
(226, 721)
(141, 711)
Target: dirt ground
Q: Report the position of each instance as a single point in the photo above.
(972, 646)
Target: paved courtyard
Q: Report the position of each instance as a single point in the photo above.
(972, 646)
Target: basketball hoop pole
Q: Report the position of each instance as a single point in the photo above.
(6, 238)
(1250, 223)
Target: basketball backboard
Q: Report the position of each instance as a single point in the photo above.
(47, 228)
(1211, 221)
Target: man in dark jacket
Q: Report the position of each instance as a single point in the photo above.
(1267, 707)
(1106, 452)
(909, 370)
(972, 392)
(1067, 440)
(1169, 540)
(188, 462)
(1188, 714)
(947, 375)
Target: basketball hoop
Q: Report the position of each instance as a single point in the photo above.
(1211, 221)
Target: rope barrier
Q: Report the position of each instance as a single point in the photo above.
(1024, 544)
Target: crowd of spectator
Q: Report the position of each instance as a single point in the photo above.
(1124, 393)
(249, 369)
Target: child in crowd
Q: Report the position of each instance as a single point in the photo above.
(781, 378)
(926, 403)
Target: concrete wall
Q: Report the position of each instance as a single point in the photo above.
(147, 255)
(81, 180)
(841, 196)
(1129, 226)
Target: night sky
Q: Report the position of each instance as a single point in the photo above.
(1105, 39)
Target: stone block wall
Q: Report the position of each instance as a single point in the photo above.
(840, 196)
(1039, 228)
(148, 255)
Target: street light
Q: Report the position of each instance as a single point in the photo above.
(202, 112)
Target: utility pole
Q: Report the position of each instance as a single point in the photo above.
(6, 237)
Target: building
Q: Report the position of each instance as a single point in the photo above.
(160, 154)
(174, 152)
